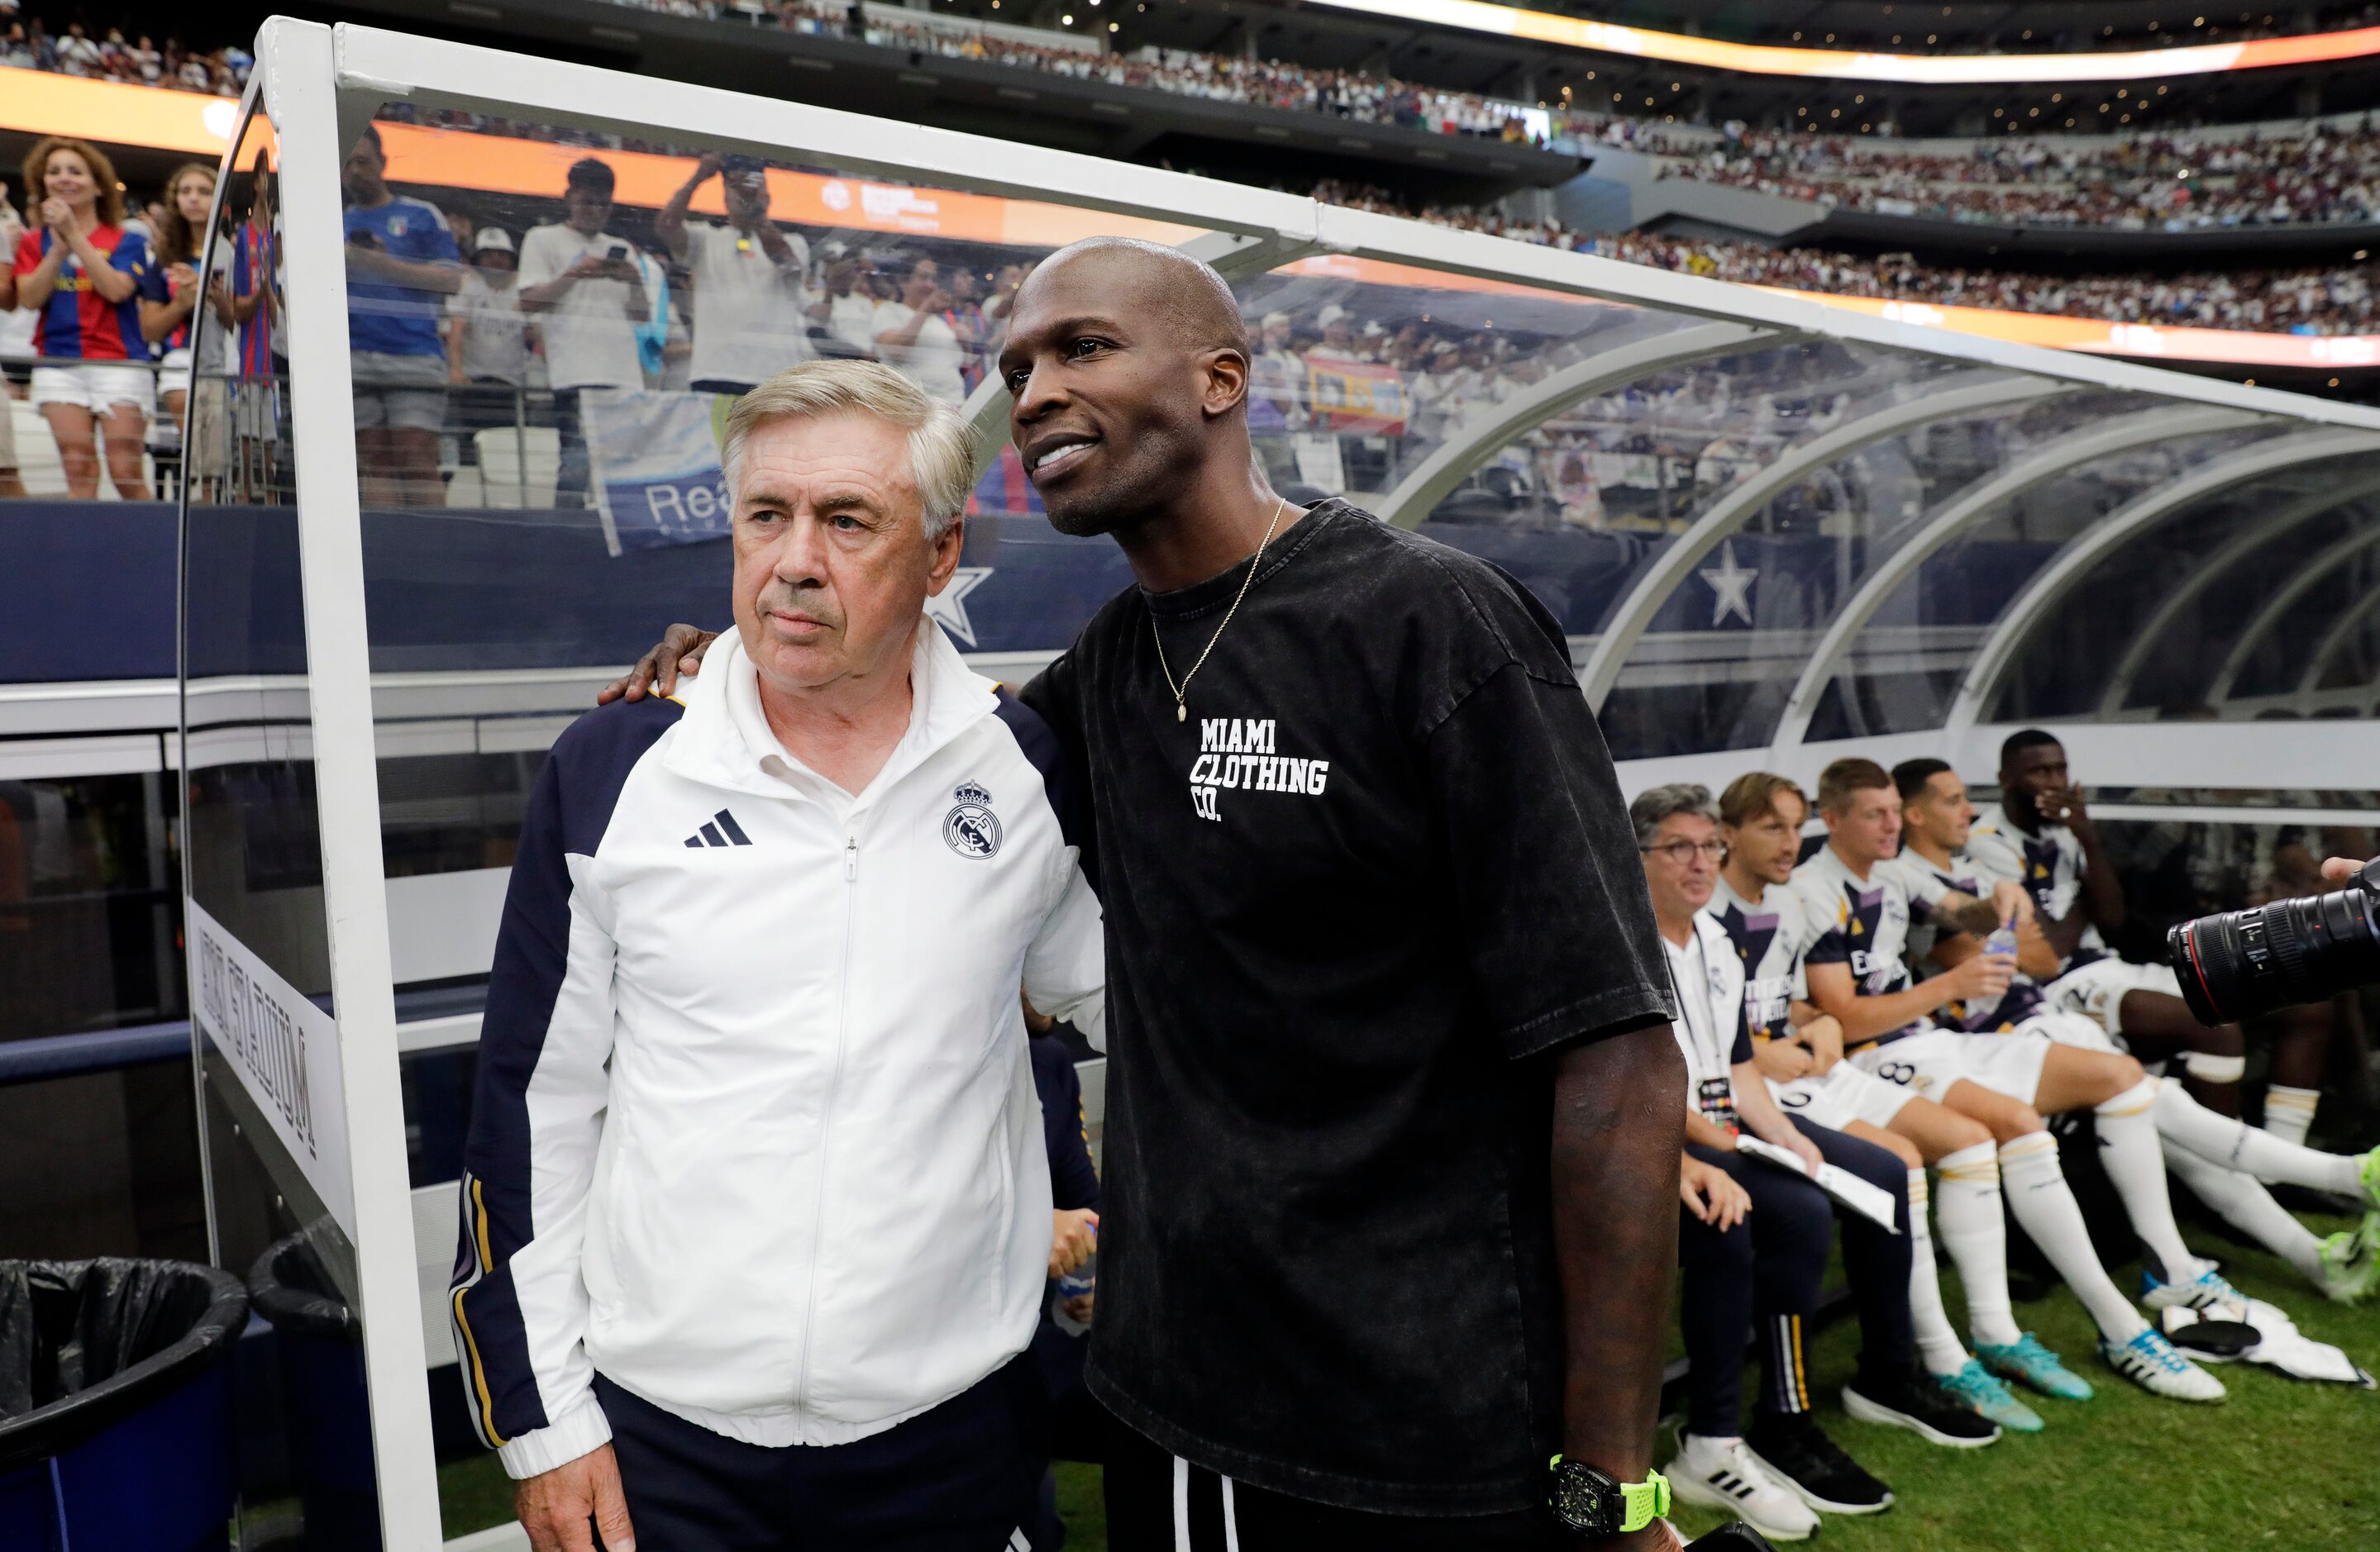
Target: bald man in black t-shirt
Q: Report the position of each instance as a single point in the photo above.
(1392, 1136)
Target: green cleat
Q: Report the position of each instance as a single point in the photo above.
(2351, 1267)
(2027, 1360)
(2369, 1169)
(1979, 1391)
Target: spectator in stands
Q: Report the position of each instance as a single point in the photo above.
(589, 294)
(183, 248)
(749, 296)
(1338, 344)
(912, 333)
(16, 339)
(965, 315)
(78, 54)
(89, 277)
(486, 345)
(261, 362)
(997, 306)
(1277, 378)
(402, 267)
(843, 316)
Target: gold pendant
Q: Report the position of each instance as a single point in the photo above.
(1181, 711)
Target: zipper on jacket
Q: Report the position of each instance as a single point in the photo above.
(826, 1120)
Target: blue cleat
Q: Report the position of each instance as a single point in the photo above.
(1977, 1389)
(2027, 1362)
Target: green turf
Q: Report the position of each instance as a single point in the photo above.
(2280, 1464)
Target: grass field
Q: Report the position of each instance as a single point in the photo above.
(2281, 1464)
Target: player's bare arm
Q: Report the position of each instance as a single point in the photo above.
(1864, 1018)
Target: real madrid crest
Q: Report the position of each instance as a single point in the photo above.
(972, 829)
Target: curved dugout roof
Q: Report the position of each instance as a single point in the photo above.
(1763, 523)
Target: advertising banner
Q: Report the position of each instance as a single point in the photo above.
(1360, 398)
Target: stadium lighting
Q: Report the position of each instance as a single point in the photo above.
(2197, 59)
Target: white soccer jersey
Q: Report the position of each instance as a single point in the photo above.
(1769, 938)
(2048, 864)
(1928, 886)
(1859, 923)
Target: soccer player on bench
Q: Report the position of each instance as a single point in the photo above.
(1800, 1054)
(2222, 1159)
(1856, 973)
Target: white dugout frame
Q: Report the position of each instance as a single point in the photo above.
(320, 85)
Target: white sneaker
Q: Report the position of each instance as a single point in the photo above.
(1723, 1474)
(2207, 1293)
(2150, 1361)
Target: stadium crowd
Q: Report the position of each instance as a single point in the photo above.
(1215, 77)
(2320, 299)
(2257, 177)
(28, 43)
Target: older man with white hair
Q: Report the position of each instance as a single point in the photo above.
(755, 1215)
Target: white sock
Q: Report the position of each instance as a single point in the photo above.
(2249, 1207)
(1976, 1233)
(2135, 1166)
(2289, 1112)
(1937, 1340)
(2235, 1144)
(2044, 1204)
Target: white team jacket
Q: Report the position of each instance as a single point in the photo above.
(755, 1131)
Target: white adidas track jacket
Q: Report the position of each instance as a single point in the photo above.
(755, 1131)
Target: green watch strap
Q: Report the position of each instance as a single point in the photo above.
(1642, 1502)
(1647, 1500)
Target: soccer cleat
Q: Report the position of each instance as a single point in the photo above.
(1908, 1398)
(1798, 1454)
(2026, 1361)
(2368, 1168)
(1981, 1392)
(2350, 1269)
(2150, 1361)
(1724, 1475)
(2205, 1292)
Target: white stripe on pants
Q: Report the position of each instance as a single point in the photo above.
(1181, 1511)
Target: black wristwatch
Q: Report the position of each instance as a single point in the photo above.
(1591, 1503)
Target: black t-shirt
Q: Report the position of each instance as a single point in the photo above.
(1352, 904)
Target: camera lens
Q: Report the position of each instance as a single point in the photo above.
(2243, 963)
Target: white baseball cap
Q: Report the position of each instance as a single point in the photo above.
(1330, 315)
(492, 239)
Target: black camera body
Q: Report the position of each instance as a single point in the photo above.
(2242, 963)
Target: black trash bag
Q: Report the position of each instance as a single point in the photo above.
(86, 1343)
(292, 1291)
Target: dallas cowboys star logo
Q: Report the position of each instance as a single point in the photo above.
(949, 606)
(1731, 586)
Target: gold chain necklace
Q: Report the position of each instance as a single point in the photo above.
(1182, 689)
